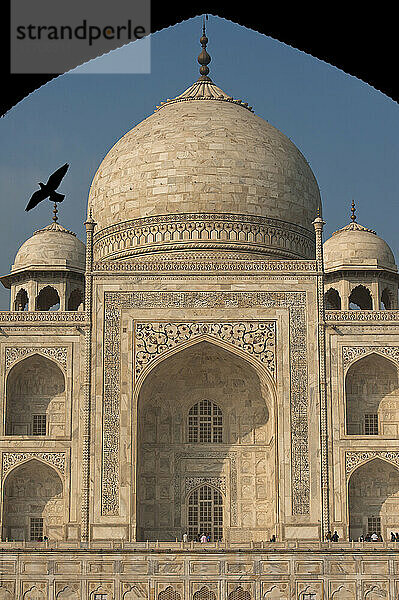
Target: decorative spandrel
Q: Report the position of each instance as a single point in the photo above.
(256, 338)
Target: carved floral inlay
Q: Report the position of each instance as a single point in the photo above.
(351, 353)
(257, 338)
(11, 459)
(362, 315)
(57, 353)
(193, 482)
(294, 302)
(354, 459)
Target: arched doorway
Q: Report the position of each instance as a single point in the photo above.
(332, 299)
(33, 503)
(35, 398)
(48, 299)
(372, 397)
(360, 298)
(205, 422)
(373, 498)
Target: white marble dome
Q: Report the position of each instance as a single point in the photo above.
(357, 247)
(51, 248)
(204, 172)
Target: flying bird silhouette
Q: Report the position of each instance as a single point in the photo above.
(48, 190)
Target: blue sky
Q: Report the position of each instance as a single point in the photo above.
(347, 130)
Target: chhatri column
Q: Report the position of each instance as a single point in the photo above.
(318, 224)
(85, 508)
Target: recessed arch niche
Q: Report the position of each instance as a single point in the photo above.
(241, 463)
(35, 398)
(373, 499)
(33, 491)
(372, 397)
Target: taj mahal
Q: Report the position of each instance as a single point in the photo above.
(202, 365)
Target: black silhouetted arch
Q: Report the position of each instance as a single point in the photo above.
(386, 299)
(75, 300)
(33, 499)
(21, 300)
(35, 392)
(360, 299)
(332, 299)
(372, 397)
(373, 499)
(48, 299)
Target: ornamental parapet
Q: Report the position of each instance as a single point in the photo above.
(360, 316)
(43, 317)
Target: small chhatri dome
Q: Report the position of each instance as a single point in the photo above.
(203, 172)
(357, 247)
(51, 248)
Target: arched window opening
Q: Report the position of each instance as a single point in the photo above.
(239, 594)
(75, 300)
(204, 594)
(21, 301)
(205, 423)
(373, 497)
(372, 397)
(33, 502)
(48, 299)
(332, 300)
(386, 300)
(169, 594)
(35, 398)
(205, 513)
(360, 299)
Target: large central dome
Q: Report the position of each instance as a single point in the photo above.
(204, 172)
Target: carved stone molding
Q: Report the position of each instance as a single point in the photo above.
(204, 231)
(50, 317)
(351, 353)
(362, 315)
(205, 264)
(257, 338)
(57, 353)
(11, 459)
(354, 459)
(294, 302)
(190, 483)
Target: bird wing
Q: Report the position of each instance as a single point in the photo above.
(55, 179)
(36, 198)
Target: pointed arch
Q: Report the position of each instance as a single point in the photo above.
(332, 299)
(373, 498)
(21, 301)
(360, 298)
(75, 300)
(33, 501)
(48, 299)
(372, 396)
(35, 397)
(202, 371)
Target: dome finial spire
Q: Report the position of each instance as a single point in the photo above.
(204, 59)
(353, 211)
